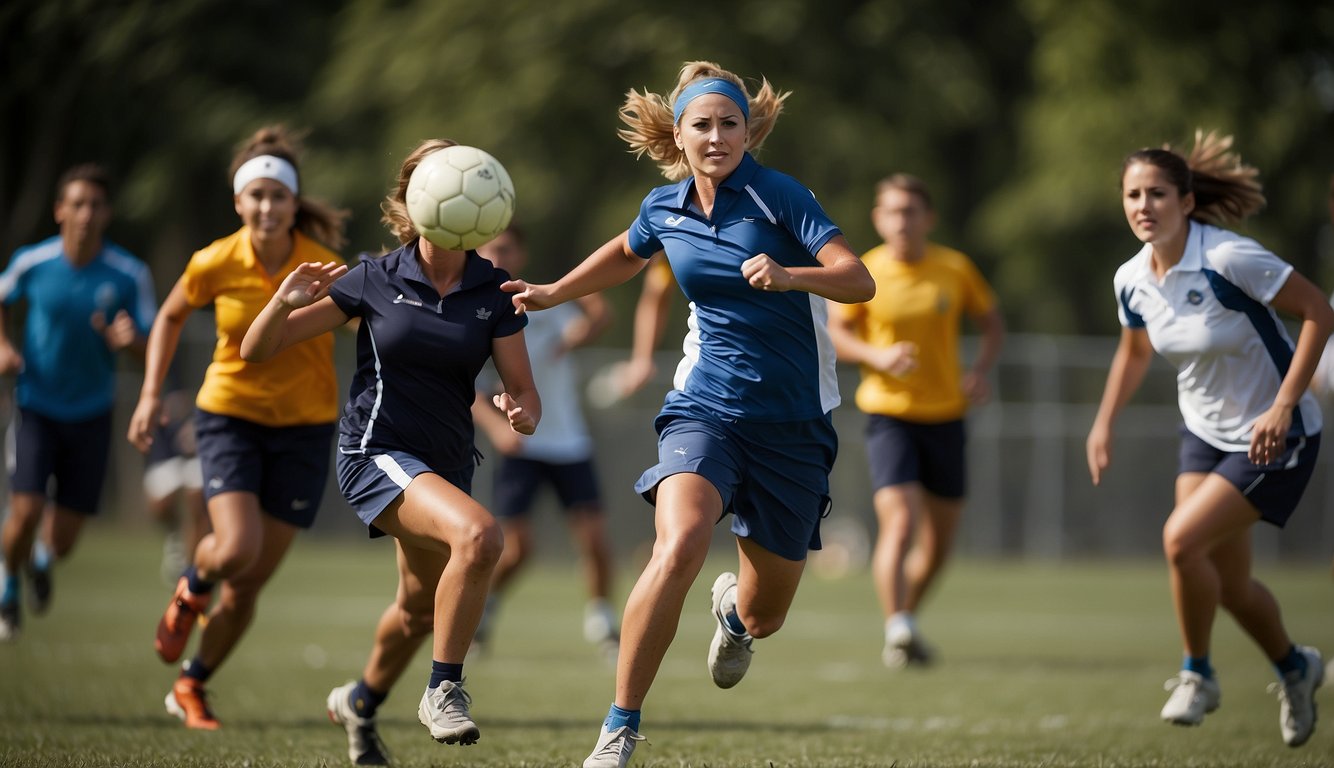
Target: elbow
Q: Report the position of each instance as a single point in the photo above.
(864, 290)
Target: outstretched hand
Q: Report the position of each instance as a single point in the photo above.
(309, 283)
(528, 296)
(520, 420)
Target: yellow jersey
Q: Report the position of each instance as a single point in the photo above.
(296, 386)
(921, 302)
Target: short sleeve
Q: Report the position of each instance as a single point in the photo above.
(978, 298)
(349, 290)
(1125, 291)
(1249, 266)
(196, 281)
(803, 215)
(12, 282)
(510, 322)
(143, 305)
(642, 239)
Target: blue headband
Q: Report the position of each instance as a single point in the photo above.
(711, 85)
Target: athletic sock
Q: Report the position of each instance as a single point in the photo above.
(13, 588)
(41, 556)
(1292, 662)
(196, 584)
(440, 672)
(196, 670)
(733, 623)
(1199, 665)
(365, 700)
(619, 718)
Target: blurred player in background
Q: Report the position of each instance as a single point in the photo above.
(1323, 380)
(560, 455)
(906, 341)
(430, 319)
(748, 429)
(86, 300)
(1205, 299)
(173, 481)
(263, 432)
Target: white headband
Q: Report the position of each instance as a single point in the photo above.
(265, 167)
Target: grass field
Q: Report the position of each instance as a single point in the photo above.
(1043, 665)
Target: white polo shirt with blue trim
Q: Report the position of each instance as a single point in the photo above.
(1210, 318)
(750, 354)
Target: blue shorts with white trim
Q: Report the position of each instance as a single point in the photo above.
(773, 477)
(371, 482)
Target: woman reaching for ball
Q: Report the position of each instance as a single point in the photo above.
(262, 432)
(430, 318)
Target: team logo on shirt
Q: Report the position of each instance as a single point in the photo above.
(400, 299)
(672, 221)
(1194, 297)
(483, 314)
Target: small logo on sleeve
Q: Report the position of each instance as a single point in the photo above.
(483, 314)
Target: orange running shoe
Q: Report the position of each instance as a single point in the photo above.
(174, 628)
(188, 701)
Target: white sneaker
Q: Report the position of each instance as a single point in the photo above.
(599, 622)
(614, 748)
(363, 740)
(729, 655)
(1296, 698)
(1193, 697)
(904, 647)
(10, 623)
(444, 710)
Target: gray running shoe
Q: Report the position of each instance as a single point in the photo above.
(905, 648)
(444, 711)
(614, 748)
(729, 655)
(363, 740)
(1296, 698)
(1193, 697)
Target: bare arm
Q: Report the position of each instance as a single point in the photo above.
(300, 309)
(1133, 355)
(840, 277)
(520, 402)
(491, 421)
(163, 339)
(1300, 298)
(11, 360)
(610, 265)
(651, 313)
(897, 359)
(992, 327)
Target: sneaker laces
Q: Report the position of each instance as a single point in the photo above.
(454, 693)
(616, 744)
(1179, 682)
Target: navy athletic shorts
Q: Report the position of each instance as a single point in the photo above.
(517, 481)
(371, 482)
(286, 467)
(74, 453)
(907, 452)
(1273, 489)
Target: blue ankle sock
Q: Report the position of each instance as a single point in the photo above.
(196, 670)
(12, 589)
(1292, 662)
(41, 556)
(617, 718)
(196, 584)
(365, 700)
(1199, 665)
(440, 672)
(734, 624)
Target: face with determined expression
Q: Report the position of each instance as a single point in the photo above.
(712, 133)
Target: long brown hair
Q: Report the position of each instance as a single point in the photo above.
(395, 205)
(1226, 189)
(315, 218)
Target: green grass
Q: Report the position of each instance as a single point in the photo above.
(1043, 665)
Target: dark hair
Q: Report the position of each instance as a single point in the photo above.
(315, 218)
(907, 183)
(89, 172)
(1226, 190)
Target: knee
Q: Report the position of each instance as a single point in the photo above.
(682, 553)
(480, 546)
(232, 560)
(1178, 546)
(760, 626)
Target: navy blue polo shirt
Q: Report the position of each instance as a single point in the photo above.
(755, 355)
(418, 355)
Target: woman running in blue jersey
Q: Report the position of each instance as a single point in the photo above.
(1205, 299)
(747, 429)
(430, 319)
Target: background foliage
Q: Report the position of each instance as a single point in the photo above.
(1018, 114)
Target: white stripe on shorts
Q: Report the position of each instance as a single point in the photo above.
(392, 470)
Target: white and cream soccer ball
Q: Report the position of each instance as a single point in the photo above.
(460, 197)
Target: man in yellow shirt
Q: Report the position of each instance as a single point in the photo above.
(906, 341)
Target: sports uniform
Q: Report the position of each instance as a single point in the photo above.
(262, 428)
(418, 357)
(1210, 317)
(66, 388)
(750, 407)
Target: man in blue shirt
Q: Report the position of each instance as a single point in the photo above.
(86, 300)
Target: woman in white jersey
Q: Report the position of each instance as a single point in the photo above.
(1205, 299)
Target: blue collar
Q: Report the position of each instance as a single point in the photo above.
(737, 181)
(476, 270)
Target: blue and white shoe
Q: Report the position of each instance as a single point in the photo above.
(1193, 697)
(1296, 698)
(729, 654)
